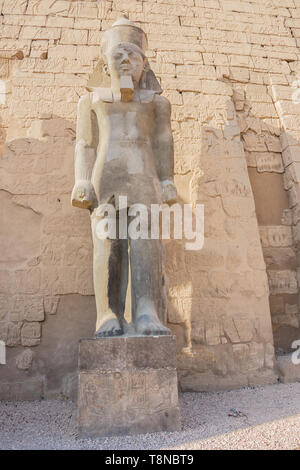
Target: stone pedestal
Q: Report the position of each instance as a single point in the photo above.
(127, 385)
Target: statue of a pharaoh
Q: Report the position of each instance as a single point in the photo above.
(124, 147)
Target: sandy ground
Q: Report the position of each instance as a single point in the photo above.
(265, 418)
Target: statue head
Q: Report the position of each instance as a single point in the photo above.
(123, 47)
(125, 59)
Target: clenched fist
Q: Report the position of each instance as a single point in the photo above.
(83, 195)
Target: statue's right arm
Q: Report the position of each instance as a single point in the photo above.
(83, 194)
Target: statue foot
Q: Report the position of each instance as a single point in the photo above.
(147, 324)
(109, 328)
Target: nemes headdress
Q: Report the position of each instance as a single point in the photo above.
(124, 31)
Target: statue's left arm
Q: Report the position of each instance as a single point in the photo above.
(162, 143)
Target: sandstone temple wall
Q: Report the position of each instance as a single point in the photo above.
(230, 69)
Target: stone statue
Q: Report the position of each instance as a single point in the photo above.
(124, 147)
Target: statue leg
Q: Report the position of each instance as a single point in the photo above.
(110, 283)
(147, 286)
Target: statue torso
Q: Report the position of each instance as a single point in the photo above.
(125, 162)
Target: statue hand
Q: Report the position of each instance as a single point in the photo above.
(83, 195)
(169, 191)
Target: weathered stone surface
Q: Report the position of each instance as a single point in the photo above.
(280, 258)
(31, 334)
(24, 360)
(283, 282)
(276, 236)
(192, 381)
(200, 359)
(269, 356)
(290, 320)
(287, 217)
(26, 390)
(29, 308)
(10, 333)
(288, 371)
(265, 377)
(269, 162)
(51, 304)
(212, 333)
(230, 330)
(5, 306)
(127, 385)
(249, 357)
(244, 328)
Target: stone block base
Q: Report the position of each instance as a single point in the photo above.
(127, 385)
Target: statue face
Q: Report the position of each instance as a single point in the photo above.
(125, 60)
